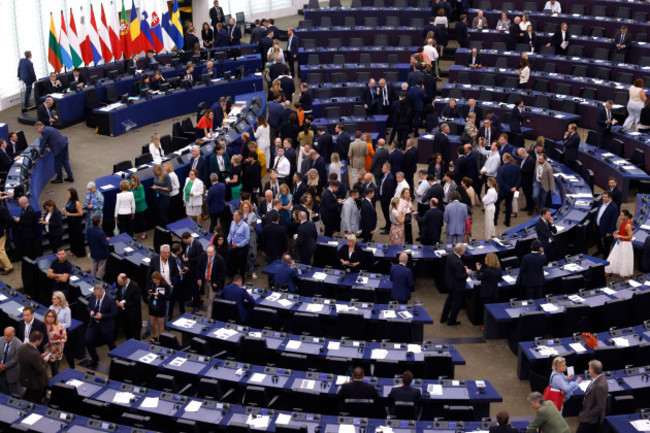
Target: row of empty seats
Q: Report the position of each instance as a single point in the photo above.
(314, 4)
(380, 40)
(352, 21)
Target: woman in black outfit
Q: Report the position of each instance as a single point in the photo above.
(350, 255)
(74, 214)
(221, 242)
(207, 35)
(158, 293)
(489, 276)
(52, 225)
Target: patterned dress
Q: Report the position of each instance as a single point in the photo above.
(58, 337)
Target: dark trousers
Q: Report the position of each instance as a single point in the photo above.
(91, 333)
(55, 242)
(588, 428)
(305, 259)
(62, 160)
(140, 222)
(507, 196)
(163, 208)
(125, 223)
(131, 326)
(366, 235)
(385, 206)
(527, 188)
(221, 217)
(291, 61)
(31, 247)
(34, 395)
(408, 232)
(238, 258)
(177, 296)
(329, 229)
(28, 93)
(534, 292)
(603, 243)
(452, 306)
(417, 119)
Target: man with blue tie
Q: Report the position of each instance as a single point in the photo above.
(402, 280)
(102, 309)
(53, 141)
(606, 219)
(27, 75)
(531, 272)
(286, 274)
(236, 293)
(292, 51)
(238, 238)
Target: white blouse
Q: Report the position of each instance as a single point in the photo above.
(176, 185)
(490, 198)
(156, 152)
(124, 203)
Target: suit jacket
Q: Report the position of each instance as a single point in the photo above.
(645, 258)
(414, 76)
(531, 271)
(601, 121)
(403, 283)
(358, 390)
(595, 402)
(607, 223)
(203, 168)
(356, 256)
(390, 94)
(217, 274)
(395, 159)
(530, 39)
(545, 232)
(257, 34)
(53, 139)
(33, 370)
(489, 278)
(430, 225)
(404, 393)
(616, 196)
(193, 252)
(19, 148)
(11, 370)
(493, 134)
(324, 145)
(368, 220)
(502, 429)
(513, 34)
(217, 16)
(455, 274)
(508, 176)
(470, 60)
(369, 96)
(37, 325)
(410, 163)
(190, 41)
(461, 33)
(319, 165)
(132, 295)
(627, 41)
(233, 292)
(527, 170)
(275, 108)
(216, 198)
(41, 114)
(28, 224)
(306, 239)
(293, 42)
(5, 160)
(449, 112)
(330, 209)
(556, 41)
(549, 420)
(343, 142)
(378, 159)
(571, 145)
(387, 186)
(26, 71)
(516, 119)
(97, 242)
(286, 276)
(49, 88)
(108, 308)
(174, 274)
(441, 145)
(298, 191)
(455, 216)
(274, 240)
(235, 32)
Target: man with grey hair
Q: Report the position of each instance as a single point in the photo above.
(94, 203)
(102, 309)
(402, 280)
(605, 119)
(547, 418)
(592, 415)
(28, 225)
(9, 370)
(306, 238)
(216, 202)
(455, 276)
(168, 268)
(129, 309)
(199, 163)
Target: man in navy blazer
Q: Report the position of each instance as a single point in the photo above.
(330, 209)
(236, 293)
(306, 238)
(103, 311)
(416, 95)
(368, 223)
(275, 110)
(173, 277)
(622, 41)
(216, 201)
(606, 218)
(605, 120)
(45, 114)
(99, 249)
(431, 224)
(545, 230)
(455, 279)
(517, 116)
(405, 392)
(53, 141)
(234, 32)
(531, 272)
(197, 162)
(395, 159)
(292, 50)
(212, 277)
(571, 144)
(402, 280)
(286, 274)
(274, 239)
(27, 75)
(508, 181)
(461, 31)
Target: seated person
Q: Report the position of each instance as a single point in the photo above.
(503, 424)
(287, 274)
(350, 255)
(451, 111)
(357, 389)
(404, 392)
(235, 292)
(77, 80)
(157, 81)
(474, 59)
(144, 85)
(52, 85)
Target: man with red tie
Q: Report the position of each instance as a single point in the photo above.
(213, 274)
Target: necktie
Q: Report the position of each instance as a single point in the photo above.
(195, 163)
(277, 162)
(609, 115)
(372, 95)
(4, 353)
(621, 43)
(209, 270)
(289, 44)
(97, 306)
(487, 136)
(28, 330)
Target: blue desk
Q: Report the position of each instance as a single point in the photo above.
(320, 35)
(378, 54)
(338, 15)
(537, 357)
(633, 140)
(226, 336)
(622, 423)
(143, 112)
(610, 5)
(376, 70)
(641, 220)
(109, 185)
(501, 316)
(4, 131)
(375, 123)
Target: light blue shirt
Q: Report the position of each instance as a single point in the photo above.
(239, 234)
(64, 316)
(560, 382)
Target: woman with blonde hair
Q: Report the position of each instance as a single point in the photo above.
(489, 199)
(261, 157)
(193, 195)
(155, 148)
(371, 150)
(125, 208)
(471, 131)
(61, 308)
(250, 218)
(274, 51)
(175, 200)
(57, 337)
(262, 133)
(162, 185)
(406, 204)
(637, 98)
(139, 221)
(313, 178)
(559, 379)
(274, 89)
(397, 217)
(335, 166)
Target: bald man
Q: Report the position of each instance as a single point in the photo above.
(402, 278)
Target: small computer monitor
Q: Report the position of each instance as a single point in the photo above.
(112, 74)
(239, 73)
(125, 98)
(226, 75)
(165, 87)
(206, 79)
(174, 81)
(175, 61)
(131, 70)
(153, 66)
(185, 84)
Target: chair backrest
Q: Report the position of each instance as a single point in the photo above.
(549, 67)
(338, 59)
(600, 53)
(255, 396)
(599, 10)
(488, 79)
(335, 3)
(252, 350)
(417, 22)
(225, 310)
(333, 112)
(349, 21)
(306, 323)
(370, 21)
(325, 21)
(294, 361)
(122, 166)
(391, 76)
(338, 77)
(165, 382)
(542, 101)
(313, 4)
(476, 44)
(313, 60)
(563, 89)
(623, 12)
(315, 78)
(405, 410)
(334, 42)
(356, 92)
(240, 17)
(589, 93)
(577, 9)
(603, 73)
(356, 42)
(436, 365)
(570, 107)
(575, 29)
(262, 317)
(501, 46)
(364, 58)
(309, 43)
(380, 40)
(510, 83)
(392, 21)
(501, 63)
(143, 159)
(598, 32)
(617, 313)
(550, 27)
(455, 93)
(322, 93)
(541, 85)
(575, 50)
(359, 407)
(485, 95)
(358, 110)
(64, 397)
(405, 41)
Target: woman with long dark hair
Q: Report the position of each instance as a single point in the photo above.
(52, 225)
(74, 214)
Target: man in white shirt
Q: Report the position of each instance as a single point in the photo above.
(282, 166)
(401, 184)
(553, 6)
(430, 50)
(493, 162)
(422, 188)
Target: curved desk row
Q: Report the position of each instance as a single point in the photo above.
(378, 54)
(347, 71)
(21, 415)
(610, 24)
(282, 382)
(222, 336)
(631, 423)
(611, 6)
(319, 35)
(338, 15)
(109, 185)
(560, 309)
(632, 140)
(641, 222)
(117, 119)
(588, 43)
(375, 123)
(616, 349)
(165, 407)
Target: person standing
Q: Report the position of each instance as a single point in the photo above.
(531, 272)
(545, 230)
(547, 418)
(27, 75)
(193, 250)
(357, 156)
(102, 309)
(306, 238)
(274, 239)
(387, 187)
(508, 181)
(455, 278)
(31, 324)
(162, 187)
(59, 272)
(292, 50)
(57, 338)
(93, 203)
(158, 294)
(6, 221)
(99, 248)
(139, 219)
(74, 213)
(456, 214)
(368, 222)
(330, 209)
(402, 280)
(128, 301)
(636, 101)
(621, 259)
(32, 367)
(489, 200)
(605, 226)
(125, 208)
(571, 144)
(53, 141)
(544, 182)
(28, 225)
(594, 406)
(9, 369)
(489, 276)
(560, 381)
(238, 238)
(216, 201)
(430, 223)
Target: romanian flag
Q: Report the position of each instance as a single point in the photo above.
(176, 27)
(134, 30)
(54, 54)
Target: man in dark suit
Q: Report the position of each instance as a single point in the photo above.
(33, 368)
(410, 161)
(614, 192)
(306, 238)
(221, 36)
(594, 406)
(102, 309)
(622, 41)
(265, 44)
(531, 272)
(342, 141)
(274, 239)
(27, 75)
(379, 159)
(508, 181)
(236, 293)
(275, 70)
(455, 279)
(192, 252)
(560, 40)
(299, 188)
(258, 32)
(5, 159)
(606, 218)
(605, 119)
(9, 369)
(213, 274)
(368, 223)
(197, 162)
(571, 144)
(431, 223)
(287, 84)
(216, 201)
(402, 281)
(15, 147)
(28, 225)
(128, 301)
(515, 34)
(441, 142)
(415, 75)
(216, 15)
(53, 141)
(387, 186)
(416, 95)
(45, 113)
(517, 116)
(431, 27)
(323, 142)
(272, 28)
(369, 97)
(286, 274)
(385, 97)
(318, 163)
(395, 159)
(503, 424)
(405, 393)
(527, 170)
(30, 324)
(461, 31)
(190, 40)
(545, 230)
(52, 85)
(234, 32)
(275, 110)
(292, 51)
(357, 389)
(474, 60)
(451, 110)
(330, 209)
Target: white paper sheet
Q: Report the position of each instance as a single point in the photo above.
(31, 419)
(333, 345)
(319, 276)
(224, 333)
(620, 342)
(414, 348)
(434, 389)
(150, 402)
(74, 382)
(257, 377)
(283, 419)
(315, 308)
(193, 406)
(294, 344)
(379, 353)
(259, 422)
(123, 397)
(340, 379)
(577, 347)
(307, 384)
(549, 307)
(347, 428)
(509, 279)
(584, 384)
(388, 314)
(641, 424)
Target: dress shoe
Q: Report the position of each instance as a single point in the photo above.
(69, 179)
(57, 181)
(453, 323)
(443, 320)
(92, 364)
(146, 335)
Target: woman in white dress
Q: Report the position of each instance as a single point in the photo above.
(193, 196)
(489, 199)
(635, 104)
(335, 166)
(175, 200)
(621, 259)
(263, 137)
(155, 149)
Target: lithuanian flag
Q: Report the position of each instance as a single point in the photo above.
(54, 54)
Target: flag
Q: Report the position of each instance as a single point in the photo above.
(114, 33)
(54, 53)
(94, 37)
(104, 39)
(125, 38)
(167, 27)
(134, 30)
(155, 15)
(84, 40)
(145, 29)
(64, 45)
(176, 27)
(73, 38)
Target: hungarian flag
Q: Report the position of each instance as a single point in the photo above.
(84, 40)
(104, 39)
(54, 53)
(64, 45)
(125, 37)
(73, 38)
(134, 30)
(114, 33)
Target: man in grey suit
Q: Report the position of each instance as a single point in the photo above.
(9, 371)
(455, 216)
(592, 415)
